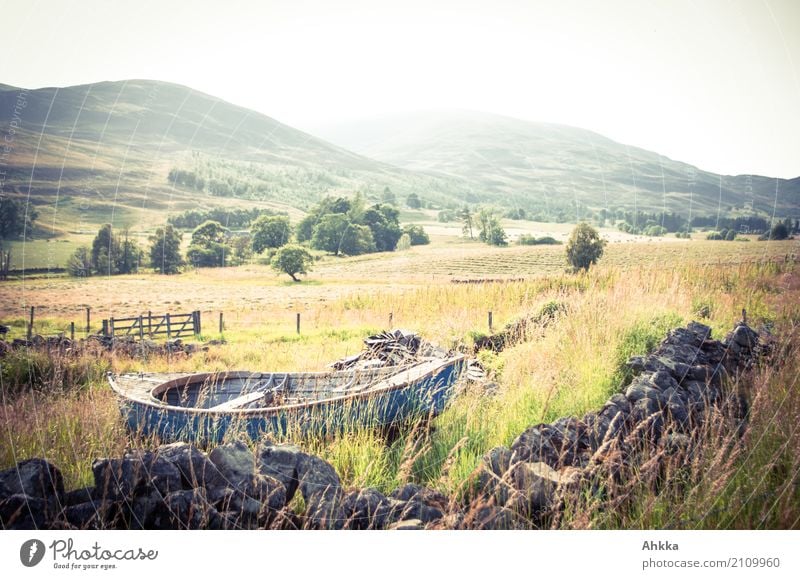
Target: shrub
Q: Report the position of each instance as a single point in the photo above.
(526, 239)
(416, 235)
(79, 263)
(714, 236)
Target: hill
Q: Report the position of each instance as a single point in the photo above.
(102, 152)
(527, 164)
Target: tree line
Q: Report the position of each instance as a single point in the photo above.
(337, 225)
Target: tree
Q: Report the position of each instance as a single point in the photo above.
(208, 247)
(305, 228)
(292, 260)
(329, 233)
(105, 248)
(270, 232)
(465, 216)
(413, 201)
(242, 246)
(165, 250)
(129, 257)
(584, 247)
(383, 222)
(416, 235)
(15, 221)
(491, 231)
(79, 263)
(388, 196)
(357, 240)
(111, 255)
(779, 232)
(731, 235)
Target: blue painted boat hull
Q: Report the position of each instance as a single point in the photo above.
(428, 396)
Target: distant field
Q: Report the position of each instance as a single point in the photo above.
(257, 294)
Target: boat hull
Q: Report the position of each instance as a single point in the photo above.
(427, 396)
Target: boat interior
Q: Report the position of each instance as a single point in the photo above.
(233, 391)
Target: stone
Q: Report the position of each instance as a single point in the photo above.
(267, 490)
(493, 474)
(662, 380)
(235, 462)
(644, 408)
(22, 512)
(34, 477)
(135, 474)
(187, 509)
(407, 525)
(491, 517)
(280, 462)
(536, 485)
(366, 509)
(86, 515)
(77, 496)
(322, 492)
(744, 337)
(425, 495)
(241, 511)
(641, 388)
(546, 443)
(195, 467)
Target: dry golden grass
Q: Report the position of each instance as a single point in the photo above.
(569, 367)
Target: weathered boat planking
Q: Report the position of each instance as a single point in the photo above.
(204, 407)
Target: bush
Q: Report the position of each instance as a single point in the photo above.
(655, 231)
(779, 232)
(714, 236)
(79, 263)
(584, 247)
(403, 243)
(731, 235)
(416, 235)
(527, 239)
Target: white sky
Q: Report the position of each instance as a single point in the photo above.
(715, 83)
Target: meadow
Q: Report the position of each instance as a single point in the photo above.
(61, 408)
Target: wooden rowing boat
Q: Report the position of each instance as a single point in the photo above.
(204, 407)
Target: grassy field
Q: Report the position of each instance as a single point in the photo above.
(63, 410)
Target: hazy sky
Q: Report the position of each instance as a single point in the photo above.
(714, 83)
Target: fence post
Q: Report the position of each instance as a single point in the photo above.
(88, 320)
(72, 331)
(30, 325)
(105, 327)
(298, 322)
(221, 326)
(111, 325)
(169, 329)
(196, 320)
(150, 324)
(490, 321)
(141, 329)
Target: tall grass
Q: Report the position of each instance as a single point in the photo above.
(566, 368)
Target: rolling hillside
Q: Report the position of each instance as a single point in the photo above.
(525, 163)
(102, 152)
